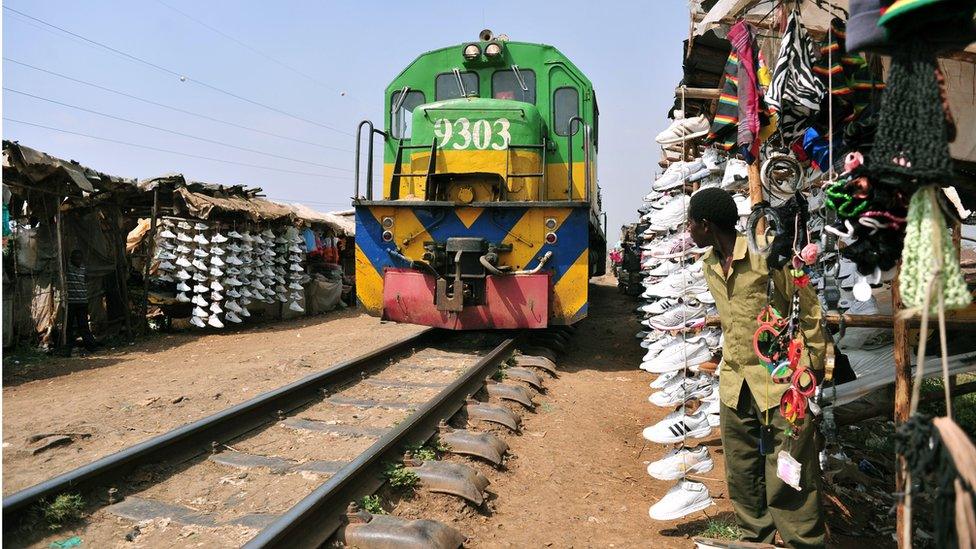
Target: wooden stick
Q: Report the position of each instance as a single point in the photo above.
(62, 279)
(903, 392)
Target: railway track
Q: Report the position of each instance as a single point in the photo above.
(281, 469)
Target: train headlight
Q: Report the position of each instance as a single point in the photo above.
(551, 223)
(387, 222)
(471, 51)
(551, 238)
(493, 49)
(387, 236)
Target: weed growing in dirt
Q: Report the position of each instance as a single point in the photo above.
(400, 477)
(425, 453)
(372, 505)
(64, 508)
(441, 447)
(721, 529)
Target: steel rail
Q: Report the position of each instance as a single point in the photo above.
(313, 520)
(197, 437)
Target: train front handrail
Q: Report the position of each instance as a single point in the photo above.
(586, 158)
(369, 153)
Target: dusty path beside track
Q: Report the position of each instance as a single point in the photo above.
(115, 398)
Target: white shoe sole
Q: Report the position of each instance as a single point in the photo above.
(701, 432)
(676, 139)
(701, 467)
(697, 506)
(693, 360)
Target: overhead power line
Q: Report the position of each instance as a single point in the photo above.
(179, 153)
(181, 76)
(174, 132)
(250, 48)
(171, 107)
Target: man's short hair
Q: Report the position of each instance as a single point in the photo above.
(715, 205)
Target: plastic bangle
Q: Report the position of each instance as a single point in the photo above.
(760, 211)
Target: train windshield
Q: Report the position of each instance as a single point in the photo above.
(506, 85)
(446, 86)
(403, 117)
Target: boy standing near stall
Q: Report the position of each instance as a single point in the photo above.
(738, 280)
(77, 317)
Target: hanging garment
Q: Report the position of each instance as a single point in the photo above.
(795, 92)
(727, 113)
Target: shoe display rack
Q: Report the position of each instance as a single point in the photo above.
(217, 272)
(680, 349)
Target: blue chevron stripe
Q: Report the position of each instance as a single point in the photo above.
(572, 237)
(369, 238)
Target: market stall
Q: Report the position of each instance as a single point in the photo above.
(847, 134)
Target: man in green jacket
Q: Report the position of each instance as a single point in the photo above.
(739, 280)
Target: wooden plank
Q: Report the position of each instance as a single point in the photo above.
(903, 395)
(698, 93)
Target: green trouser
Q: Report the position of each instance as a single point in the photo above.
(762, 502)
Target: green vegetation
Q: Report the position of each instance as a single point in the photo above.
(722, 528)
(372, 504)
(400, 477)
(65, 508)
(963, 406)
(425, 453)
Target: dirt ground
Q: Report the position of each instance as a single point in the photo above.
(577, 476)
(117, 397)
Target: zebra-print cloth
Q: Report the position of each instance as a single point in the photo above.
(795, 91)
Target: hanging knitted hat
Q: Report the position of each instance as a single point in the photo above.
(911, 146)
(925, 236)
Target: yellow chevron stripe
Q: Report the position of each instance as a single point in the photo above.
(526, 237)
(468, 215)
(571, 291)
(369, 284)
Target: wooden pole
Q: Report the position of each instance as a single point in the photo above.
(903, 395)
(62, 279)
(150, 245)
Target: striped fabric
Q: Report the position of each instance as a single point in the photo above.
(847, 74)
(77, 284)
(723, 132)
(795, 92)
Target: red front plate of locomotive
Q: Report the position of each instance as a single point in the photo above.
(515, 301)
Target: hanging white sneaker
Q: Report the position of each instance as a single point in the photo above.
(218, 238)
(662, 380)
(183, 262)
(184, 249)
(198, 322)
(199, 277)
(199, 264)
(294, 286)
(217, 250)
(166, 233)
(183, 237)
(201, 226)
(215, 296)
(199, 301)
(200, 289)
(680, 462)
(183, 275)
(684, 498)
(235, 234)
(216, 272)
(183, 287)
(199, 312)
(182, 298)
(233, 318)
(165, 277)
(294, 306)
(244, 312)
(233, 293)
(232, 306)
(678, 425)
(677, 394)
(166, 266)
(200, 239)
(215, 308)
(215, 322)
(200, 252)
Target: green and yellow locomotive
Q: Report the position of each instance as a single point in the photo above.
(490, 215)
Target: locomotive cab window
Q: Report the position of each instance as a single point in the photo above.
(446, 86)
(402, 119)
(506, 85)
(565, 105)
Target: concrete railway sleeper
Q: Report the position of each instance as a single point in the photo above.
(330, 435)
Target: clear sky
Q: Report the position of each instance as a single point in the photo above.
(326, 63)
